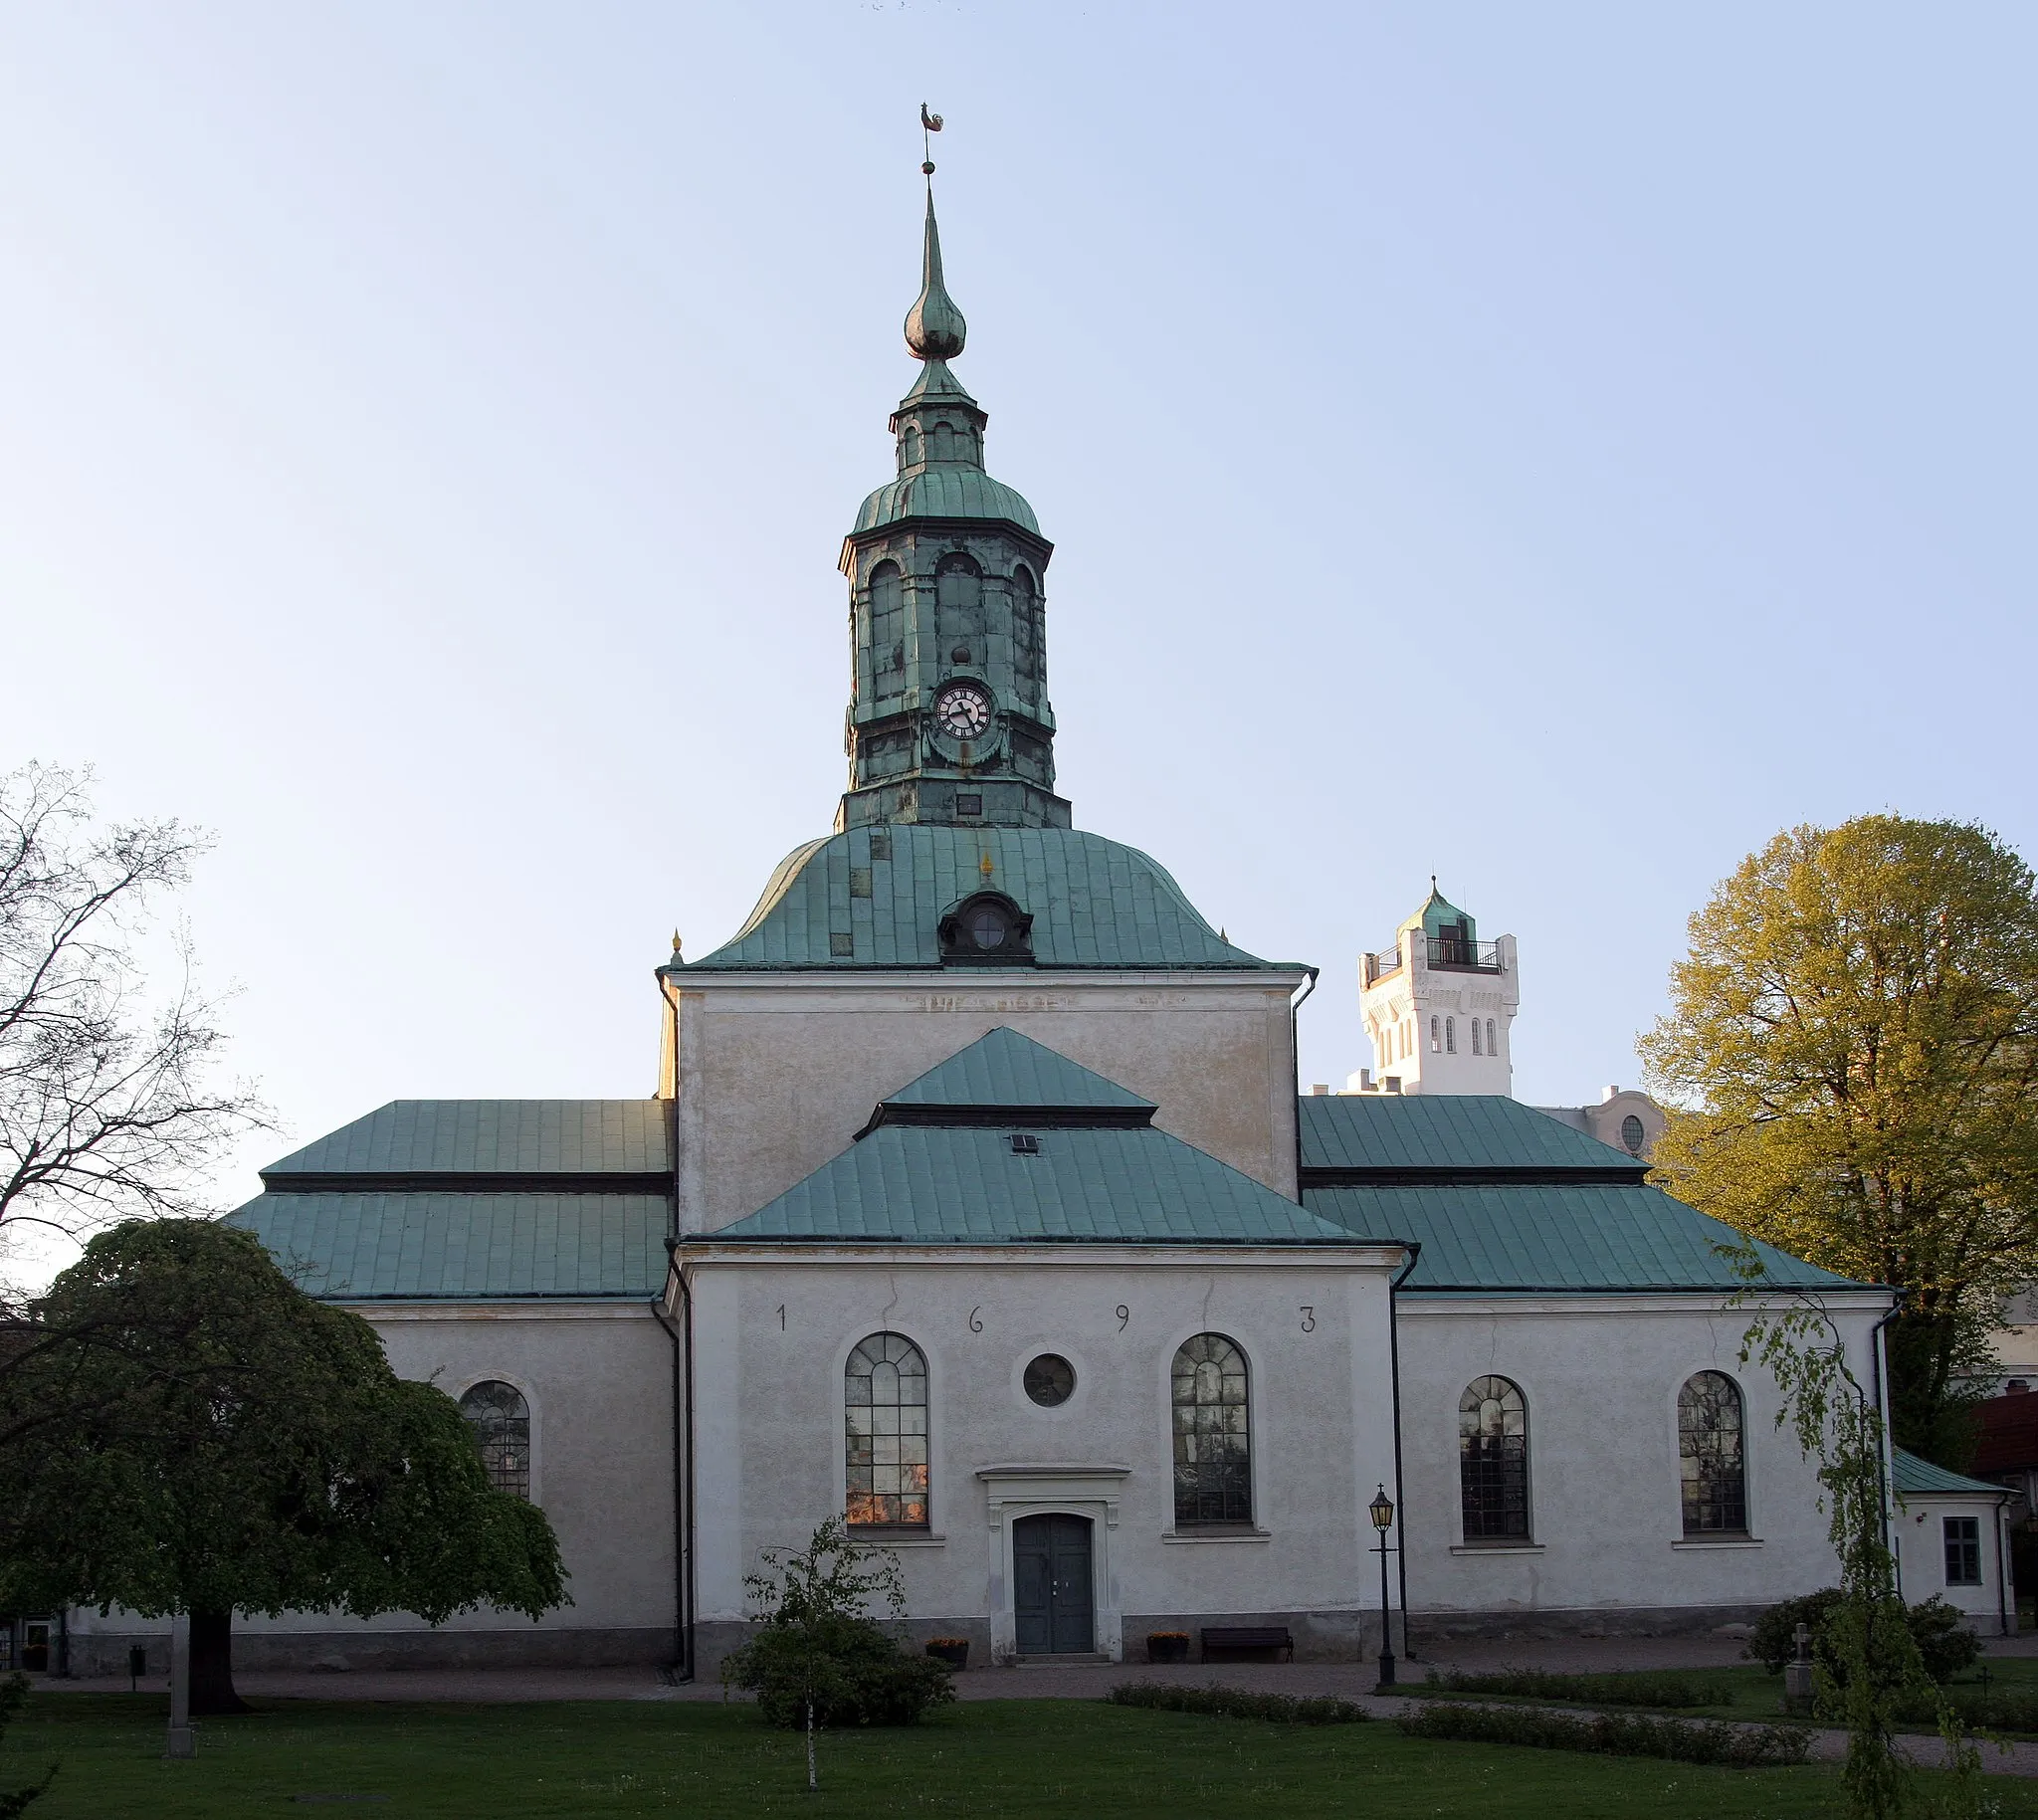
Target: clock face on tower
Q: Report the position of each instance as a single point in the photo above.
(962, 711)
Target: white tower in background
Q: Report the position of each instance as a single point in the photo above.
(1438, 1006)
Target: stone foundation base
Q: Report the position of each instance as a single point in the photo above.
(1320, 1636)
(1579, 1621)
(99, 1653)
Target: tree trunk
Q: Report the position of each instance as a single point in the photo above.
(212, 1665)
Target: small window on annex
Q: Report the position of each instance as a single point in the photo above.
(500, 1420)
(1213, 1470)
(1963, 1550)
(885, 1397)
(1493, 1461)
(1712, 1465)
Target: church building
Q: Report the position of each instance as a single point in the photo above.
(978, 1206)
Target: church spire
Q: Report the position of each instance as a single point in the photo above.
(935, 328)
(949, 718)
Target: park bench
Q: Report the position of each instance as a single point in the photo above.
(1241, 1639)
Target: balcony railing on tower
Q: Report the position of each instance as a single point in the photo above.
(1379, 967)
(1455, 955)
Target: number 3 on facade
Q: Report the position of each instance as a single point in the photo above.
(1309, 1319)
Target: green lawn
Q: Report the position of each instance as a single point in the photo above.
(1749, 1691)
(989, 1759)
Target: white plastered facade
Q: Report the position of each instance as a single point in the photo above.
(770, 1338)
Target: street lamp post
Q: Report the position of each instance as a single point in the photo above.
(1382, 1509)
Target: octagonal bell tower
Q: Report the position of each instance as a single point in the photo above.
(948, 719)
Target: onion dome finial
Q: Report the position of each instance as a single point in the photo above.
(934, 327)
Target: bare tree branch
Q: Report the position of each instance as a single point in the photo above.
(110, 1102)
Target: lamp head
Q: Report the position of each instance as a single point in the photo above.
(1382, 1509)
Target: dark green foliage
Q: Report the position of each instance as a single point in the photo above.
(230, 1444)
(1940, 1367)
(1999, 1709)
(14, 1802)
(1234, 1703)
(1683, 1740)
(1942, 1638)
(816, 1660)
(852, 1671)
(1601, 1690)
(1945, 1643)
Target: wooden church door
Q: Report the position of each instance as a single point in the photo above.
(1053, 1603)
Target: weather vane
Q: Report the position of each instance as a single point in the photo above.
(929, 124)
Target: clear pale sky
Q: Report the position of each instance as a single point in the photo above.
(1550, 447)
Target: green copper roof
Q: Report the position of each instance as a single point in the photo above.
(950, 491)
(965, 1184)
(492, 1137)
(1436, 913)
(935, 328)
(1004, 1070)
(874, 897)
(1523, 1237)
(1916, 1477)
(464, 1247)
(1448, 1133)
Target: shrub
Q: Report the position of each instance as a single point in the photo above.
(1683, 1740)
(1235, 1703)
(1941, 1635)
(1601, 1690)
(1983, 1709)
(854, 1674)
(817, 1660)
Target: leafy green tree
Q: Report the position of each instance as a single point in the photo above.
(225, 1443)
(817, 1658)
(1855, 1036)
(1869, 1657)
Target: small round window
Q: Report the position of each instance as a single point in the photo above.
(987, 926)
(1050, 1380)
(1631, 1134)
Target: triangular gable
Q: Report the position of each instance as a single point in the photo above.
(1006, 1071)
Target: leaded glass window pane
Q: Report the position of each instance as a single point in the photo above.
(1213, 1477)
(1712, 1466)
(1493, 1461)
(885, 1402)
(500, 1420)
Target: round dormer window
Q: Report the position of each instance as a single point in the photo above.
(986, 926)
(1632, 1134)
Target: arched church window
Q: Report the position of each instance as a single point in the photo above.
(885, 1397)
(500, 1421)
(1493, 1461)
(1712, 1466)
(944, 442)
(1475, 1037)
(1026, 621)
(909, 446)
(1491, 1047)
(1213, 1474)
(1450, 1036)
(1436, 1042)
(888, 627)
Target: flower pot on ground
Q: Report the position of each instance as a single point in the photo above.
(954, 1651)
(1168, 1646)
